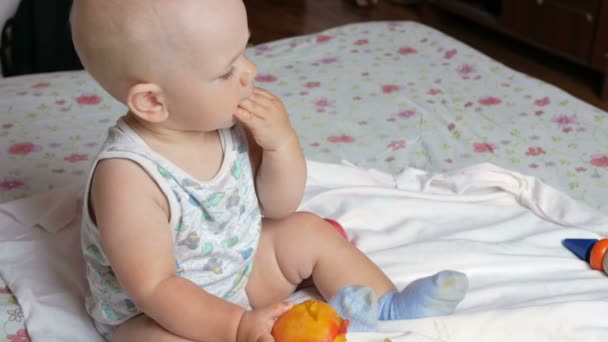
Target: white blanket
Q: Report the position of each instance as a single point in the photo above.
(503, 229)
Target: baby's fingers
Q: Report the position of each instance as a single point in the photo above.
(265, 338)
(279, 309)
(246, 117)
(265, 93)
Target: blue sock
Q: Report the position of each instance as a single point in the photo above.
(431, 296)
(359, 305)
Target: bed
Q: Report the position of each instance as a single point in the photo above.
(401, 112)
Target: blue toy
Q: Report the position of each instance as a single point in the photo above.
(593, 251)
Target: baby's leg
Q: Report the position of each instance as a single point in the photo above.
(144, 329)
(304, 245)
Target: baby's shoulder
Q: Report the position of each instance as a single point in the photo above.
(123, 181)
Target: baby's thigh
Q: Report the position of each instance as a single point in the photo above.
(287, 253)
(144, 329)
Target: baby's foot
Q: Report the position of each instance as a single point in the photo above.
(431, 296)
(359, 305)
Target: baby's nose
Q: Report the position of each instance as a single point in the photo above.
(249, 73)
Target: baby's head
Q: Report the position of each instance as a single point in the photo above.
(175, 63)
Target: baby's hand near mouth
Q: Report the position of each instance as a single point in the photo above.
(266, 118)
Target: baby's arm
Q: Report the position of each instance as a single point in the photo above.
(276, 155)
(132, 215)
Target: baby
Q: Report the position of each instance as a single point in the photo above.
(189, 228)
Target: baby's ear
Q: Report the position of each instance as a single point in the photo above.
(146, 100)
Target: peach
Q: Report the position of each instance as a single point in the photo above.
(310, 321)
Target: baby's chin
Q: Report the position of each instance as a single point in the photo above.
(231, 122)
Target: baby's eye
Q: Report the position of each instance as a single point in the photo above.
(228, 75)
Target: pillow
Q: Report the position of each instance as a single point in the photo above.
(41, 263)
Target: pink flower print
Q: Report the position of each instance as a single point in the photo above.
(600, 161)
(396, 145)
(564, 120)
(450, 53)
(434, 91)
(341, 139)
(567, 129)
(407, 51)
(266, 78)
(484, 147)
(41, 85)
(312, 84)
(581, 169)
(361, 42)
(74, 158)
(323, 103)
(533, 166)
(20, 336)
(535, 151)
(542, 102)
(262, 48)
(466, 70)
(389, 88)
(539, 113)
(15, 315)
(406, 114)
(23, 149)
(490, 101)
(468, 104)
(9, 184)
(60, 102)
(322, 38)
(329, 60)
(88, 99)
(7, 126)
(451, 126)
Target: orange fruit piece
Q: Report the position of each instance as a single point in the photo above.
(310, 321)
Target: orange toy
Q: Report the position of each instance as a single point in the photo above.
(310, 321)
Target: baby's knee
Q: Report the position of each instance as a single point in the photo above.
(307, 224)
(308, 217)
(308, 221)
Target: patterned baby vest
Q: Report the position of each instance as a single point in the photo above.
(215, 224)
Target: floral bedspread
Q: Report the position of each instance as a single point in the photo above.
(384, 95)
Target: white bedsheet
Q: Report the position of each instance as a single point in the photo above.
(501, 228)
